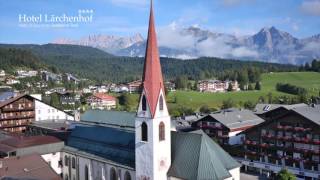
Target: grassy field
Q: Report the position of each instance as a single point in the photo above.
(194, 100)
(308, 80)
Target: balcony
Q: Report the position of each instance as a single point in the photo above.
(15, 117)
(14, 125)
(16, 109)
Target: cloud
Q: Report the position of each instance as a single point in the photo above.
(236, 2)
(311, 7)
(131, 3)
(174, 36)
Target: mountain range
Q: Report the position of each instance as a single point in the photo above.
(268, 45)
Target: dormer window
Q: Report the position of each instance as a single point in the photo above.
(144, 103)
(161, 103)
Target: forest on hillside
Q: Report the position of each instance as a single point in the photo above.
(99, 66)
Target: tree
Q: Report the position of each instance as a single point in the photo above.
(269, 97)
(127, 101)
(249, 105)
(307, 66)
(54, 100)
(230, 87)
(181, 82)
(205, 109)
(229, 103)
(257, 86)
(243, 79)
(250, 88)
(284, 174)
(195, 86)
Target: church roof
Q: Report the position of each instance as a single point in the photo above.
(196, 156)
(111, 118)
(152, 76)
(111, 144)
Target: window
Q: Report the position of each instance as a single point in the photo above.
(73, 163)
(161, 103)
(144, 132)
(144, 103)
(161, 131)
(127, 176)
(86, 173)
(65, 160)
(113, 174)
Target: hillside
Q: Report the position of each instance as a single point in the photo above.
(95, 64)
(10, 59)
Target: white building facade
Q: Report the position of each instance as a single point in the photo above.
(44, 111)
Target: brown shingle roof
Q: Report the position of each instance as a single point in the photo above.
(19, 142)
(30, 166)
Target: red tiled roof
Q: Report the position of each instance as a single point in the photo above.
(152, 76)
(104, 97)
(30, 167)
(22, 141)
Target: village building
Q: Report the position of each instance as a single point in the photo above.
(24, 73)
(151, 150)
(48, 147)
(226, 125)
(272, 111)
(102, 101)
(19, 111)
(49, 76)
(67, 77)
(217, 86)
(31, 166)
(134, 86)
(290, 141)
(2, 75)
(12, 81)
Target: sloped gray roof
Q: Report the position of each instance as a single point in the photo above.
(112, 118)
(311, 113)
(113, 144)
(195, 156)
(237, 118)
(262, 108)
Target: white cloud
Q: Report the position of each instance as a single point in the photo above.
(235, 2)
(131, 3)
(311, 7)
(171, 36)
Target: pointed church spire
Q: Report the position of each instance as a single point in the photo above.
(152, 75)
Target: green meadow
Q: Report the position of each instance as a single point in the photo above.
(194, 99)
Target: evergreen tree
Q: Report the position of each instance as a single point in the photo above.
(257, 86)
(230, 87)
(226, 104)
(250, 88)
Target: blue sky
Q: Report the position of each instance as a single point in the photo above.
(301, 18)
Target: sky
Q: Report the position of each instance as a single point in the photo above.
(301, 18)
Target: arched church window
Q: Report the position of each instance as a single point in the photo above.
(86, 173)
(127, 176)
(144, 132)
(113, 174)
(161, 103)
(161, 131)
(73, 163)
(144, 103)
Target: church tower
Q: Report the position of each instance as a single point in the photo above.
(152, 124)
